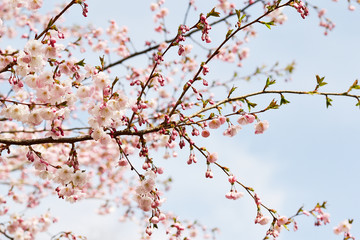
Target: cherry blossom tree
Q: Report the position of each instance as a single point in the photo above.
(85, 114)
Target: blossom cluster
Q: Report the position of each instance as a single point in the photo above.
(27, 229)
(146, 195)
(232, 130)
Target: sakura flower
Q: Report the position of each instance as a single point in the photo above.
(66, 191)
(79, 178)
(233, 194)
(246, 119)
(64, 174)
(264, 220)
(148, 184)
(282, 220)
(35, 117)
(153, 6)
(101, 80)
(144, 203)
(34, 47)
(98, 133)
(344, 226)
(232, 130)
(47, 113)
(214, 123)
(212, 157)
(34, 4)
(17, 112)
(150, 174)
(261, 126)
(53, 51)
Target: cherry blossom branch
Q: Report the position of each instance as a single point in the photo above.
(43, 130)
(127, 132)
(187, 85)
(118, 142)
(169, 41)
(53, 20)
(6, 235)
(280, 92)
(3, 100)
(157, 62)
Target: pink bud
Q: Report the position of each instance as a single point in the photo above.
(149, 231)
(122, 162)
(232, 179)
(155, 220)
(205, 133)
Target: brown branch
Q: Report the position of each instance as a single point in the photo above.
(127, 132)
(87, 137)
(357, 97)
(53, 20)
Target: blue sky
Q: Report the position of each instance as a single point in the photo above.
(308, 155)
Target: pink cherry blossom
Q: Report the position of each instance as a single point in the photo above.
(261, 126)
(282, 220)
(213, 157)
(232, 130)
(214, 123)
(246, 119)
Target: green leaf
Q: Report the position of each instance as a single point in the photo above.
(300, 210)
(273, 105)
(283, 100)
(205, 102)
(328, 101)
(267, 24)
(213, 13)
(290, 68)
(81, 63)
(102, 61)
(358, 103)
(51, 21)
(240, 18)
(114, 82)
(320, 81)
(250, 104)
(354, 86)
(269, 82)
(238, 13)
(229, 33)
(231, 91)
